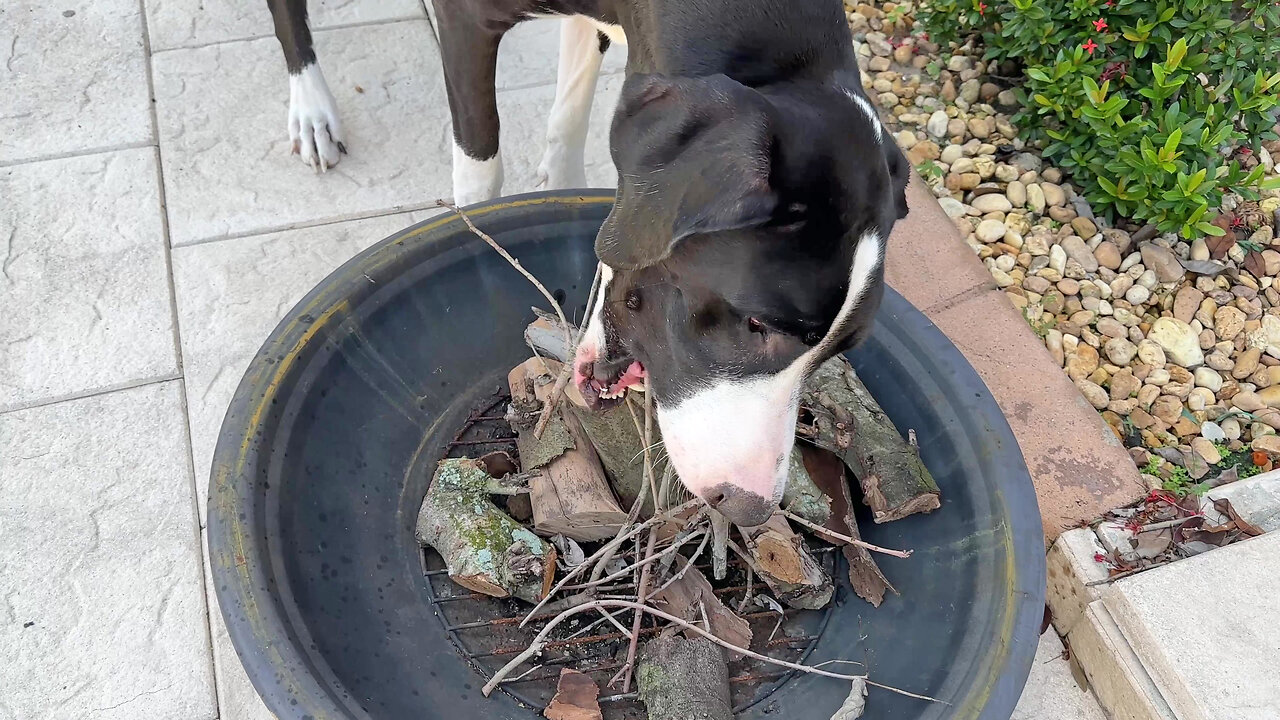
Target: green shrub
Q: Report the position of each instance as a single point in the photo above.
(1144, 102)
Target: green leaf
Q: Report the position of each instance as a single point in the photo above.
(1213, 230)
(1036, 74)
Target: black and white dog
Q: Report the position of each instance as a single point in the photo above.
(756, 192)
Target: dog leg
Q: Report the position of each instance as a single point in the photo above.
(315, 133)
(469, 51)
(581, 50)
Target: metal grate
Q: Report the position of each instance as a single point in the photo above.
(485, 631)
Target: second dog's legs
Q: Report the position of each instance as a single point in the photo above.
(581, 50)
(469, 51)
(314, 130)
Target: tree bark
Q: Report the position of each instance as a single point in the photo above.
(827, 473)
(684, 679)
(567, 486)
(847, 421)
(484, 549)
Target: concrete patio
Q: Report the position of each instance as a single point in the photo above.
(154, 228)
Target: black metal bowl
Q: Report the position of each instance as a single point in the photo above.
(313, 498)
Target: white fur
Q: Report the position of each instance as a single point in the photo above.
(592, 343)
(865, 106)
(563, 164)
(615, 33)
(741, 430)
(314, 129)
(475, 180)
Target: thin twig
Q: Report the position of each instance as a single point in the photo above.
(641, 595)
(568, 337)
(751, 586)
(623, 535)
(621, 628)
(719, 554)
(845, 538)
(681, 573)
(1166, 524)
(566, 372)
(540, 642)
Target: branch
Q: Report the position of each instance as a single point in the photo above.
(540, 641)
(845, 538)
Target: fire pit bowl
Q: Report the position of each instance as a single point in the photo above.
(326, 451)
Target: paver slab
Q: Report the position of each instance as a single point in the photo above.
(1051, 692)
(232, 293)
(1205, 630)
(222, 112)
(102, 613)
(74, 78)
(1077, 464)
(186, 23)
(83, 283)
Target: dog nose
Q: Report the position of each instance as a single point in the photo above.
(742, 507)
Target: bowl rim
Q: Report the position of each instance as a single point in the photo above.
(282, 675)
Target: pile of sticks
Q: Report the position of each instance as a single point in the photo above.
(597, 479)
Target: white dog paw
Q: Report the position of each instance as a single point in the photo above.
(314, 130)
(559, 169)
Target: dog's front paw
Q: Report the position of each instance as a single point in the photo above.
(560, 169)
(314, 130)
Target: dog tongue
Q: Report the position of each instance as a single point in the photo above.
(633, 376)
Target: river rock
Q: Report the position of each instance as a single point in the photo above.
(1077, 250)
(1082, 362)
(1163, 262)
(1121, 352)
(937, 124)
(989, 231)
(1208, 378)
(1053, 194)
(1186, 302)
(1180, 342)
(1017, 193)
(1228, 322)
(1246, 363)
(1036, 199)
(992, 203)
(1108, 255)
(1094, 393)
(1167, 408)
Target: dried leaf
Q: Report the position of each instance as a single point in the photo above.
(1219, 246)
(1203, 267)
(1224, 506)
(571, 552)
(1254, 263)
(855, 704)
(767, 602)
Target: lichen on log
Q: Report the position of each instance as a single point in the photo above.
(484, 549)
(684, 679)
(847, 420)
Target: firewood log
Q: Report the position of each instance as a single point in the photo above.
(684, 679)
(485, 550)
(780, 558)
(567, 486)
(846, 420)
(575, 698)
(692, 595)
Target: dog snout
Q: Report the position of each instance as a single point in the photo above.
(740, 506)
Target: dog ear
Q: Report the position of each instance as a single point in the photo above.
(693, 156)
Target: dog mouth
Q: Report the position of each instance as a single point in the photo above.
(605, 385)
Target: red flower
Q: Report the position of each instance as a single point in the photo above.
(1099, 24)
(1090, 46)
(982, 8)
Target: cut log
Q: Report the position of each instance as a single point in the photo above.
(567, 486)
(845, 419)
(827, 473)
(780, 558)
(692, 595)
(613, 431)
(802, 496)
(576, 698)
(684, 679)
(484, 549)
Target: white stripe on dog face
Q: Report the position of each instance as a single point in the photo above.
(741, 430)
(865, 106)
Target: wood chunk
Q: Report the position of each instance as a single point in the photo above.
(785, 565)
(692, 595)
(612, 431)
(567, 487)
(802, 496)
(684, 679)
(575, 698)
(827, 473)
(847, 421)
(485, 550)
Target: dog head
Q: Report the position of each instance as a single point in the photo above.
(745, 248)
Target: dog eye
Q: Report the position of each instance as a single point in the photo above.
(633, 301)
(756, 326)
